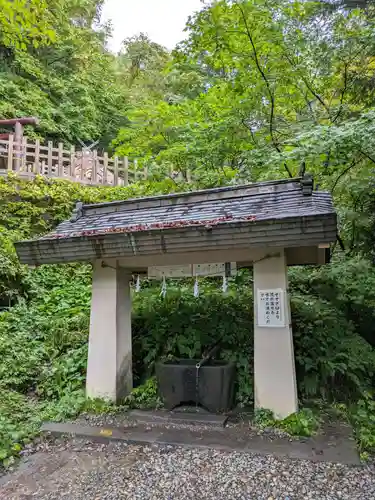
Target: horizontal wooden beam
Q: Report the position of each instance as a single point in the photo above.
(11, 122)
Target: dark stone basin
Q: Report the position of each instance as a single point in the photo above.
(212, 386)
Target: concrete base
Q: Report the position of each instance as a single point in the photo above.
(335, 444)
(274, 368)
(109, 367)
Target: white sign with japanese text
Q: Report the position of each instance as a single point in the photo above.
(271, 309)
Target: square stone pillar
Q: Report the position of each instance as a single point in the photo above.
(274, 367)
(109, 366)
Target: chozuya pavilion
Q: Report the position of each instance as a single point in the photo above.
(267, 225)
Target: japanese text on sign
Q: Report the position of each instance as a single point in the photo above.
(271, 312)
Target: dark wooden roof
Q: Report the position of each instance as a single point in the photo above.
(279, 213)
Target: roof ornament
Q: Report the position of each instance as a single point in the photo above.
(307, 184)
(77, 212)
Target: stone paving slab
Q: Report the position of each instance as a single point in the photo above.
(335, 444)
(173, 417)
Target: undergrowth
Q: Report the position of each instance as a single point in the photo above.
(304, 423)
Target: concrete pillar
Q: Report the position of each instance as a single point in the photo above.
(274, 368)
(109, 367)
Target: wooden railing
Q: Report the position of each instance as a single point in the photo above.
(29, 158)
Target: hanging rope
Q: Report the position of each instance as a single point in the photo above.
(163, 292)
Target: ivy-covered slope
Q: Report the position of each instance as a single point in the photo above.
(43, 336)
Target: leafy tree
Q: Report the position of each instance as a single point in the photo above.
(72, 84)
(284, 88)
(24, 22)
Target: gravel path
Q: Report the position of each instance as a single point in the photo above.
(79, 470)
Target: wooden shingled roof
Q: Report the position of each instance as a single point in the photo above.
(286, 213)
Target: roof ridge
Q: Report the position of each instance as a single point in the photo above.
(192, 193)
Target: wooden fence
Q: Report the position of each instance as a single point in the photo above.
(29, 158)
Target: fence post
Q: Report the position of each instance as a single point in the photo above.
(60, 165)
(23, 153)
(49, 157)
(145, 172)
(18, 139)
(115, 171)
(94, 171)
(10, 153)
(126, 170)
(84, 164)
(36, 168)
(72, 161)
(135, 166)
(105, 168)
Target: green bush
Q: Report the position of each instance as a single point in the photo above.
(348, 285)
(184, 326)
(361, 414)
(304, 423)
(144, 396)
(332, 360)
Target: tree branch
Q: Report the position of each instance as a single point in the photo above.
(309, 87)
(341, 243)
(345, 87)
(367, 156)
(345, 171)
(267, 83)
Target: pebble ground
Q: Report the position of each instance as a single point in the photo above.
(80, 470)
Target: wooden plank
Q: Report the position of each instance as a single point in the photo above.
(126, 170)
(60, 170)
(72, 162)
(49, 160)
(18, 145)
(46, 156)
(105, 168)
(94, 169)
(115, 171)
(135, 167)
(23, 152)
(10, 153)
(82, 175)
(36, 168)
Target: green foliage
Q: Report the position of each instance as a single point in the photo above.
(361, 415)
(303, 423)
(144, 396)
(331, 358)
(29, 209)
(73, 84)
(347, 284)
(264, 91)
(184, 326)
(25, 23)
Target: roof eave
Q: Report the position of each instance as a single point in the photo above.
(287, 232)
